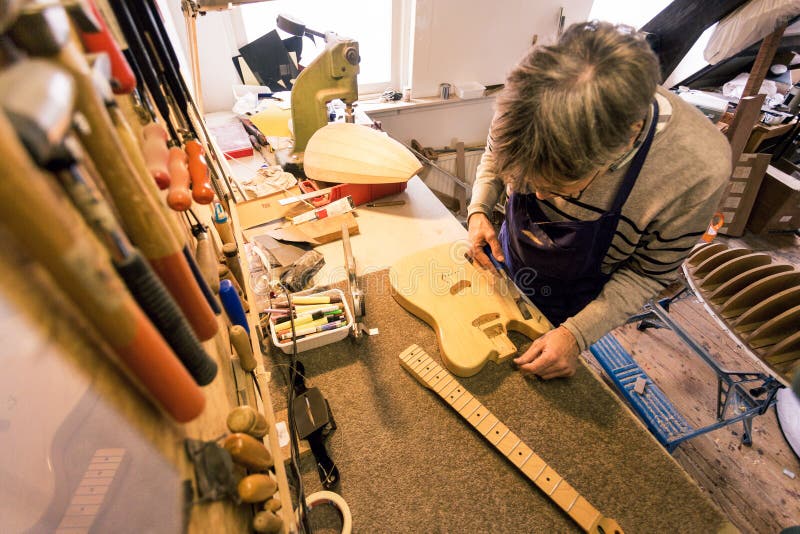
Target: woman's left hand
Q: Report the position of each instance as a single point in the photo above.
(553, 355)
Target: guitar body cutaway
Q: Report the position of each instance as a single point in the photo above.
(470, 309)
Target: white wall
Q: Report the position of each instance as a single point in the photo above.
(475, 40)
(437, 126)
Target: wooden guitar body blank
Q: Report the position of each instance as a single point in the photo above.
(470, 309)
(357, 154)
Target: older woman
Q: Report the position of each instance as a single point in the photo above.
(611, 181)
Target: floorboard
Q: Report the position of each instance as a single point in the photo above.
(747, 483)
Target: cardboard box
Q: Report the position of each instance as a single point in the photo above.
(777, 206)
(740, 194)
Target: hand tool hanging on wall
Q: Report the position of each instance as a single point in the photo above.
(123, 80)
(173, 169)
(160, 69)
(45, 132)
(45, 31)
(80, 266)
(100, 74)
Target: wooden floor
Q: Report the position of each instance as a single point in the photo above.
(747, 483)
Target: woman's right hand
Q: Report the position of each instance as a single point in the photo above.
(482, 232)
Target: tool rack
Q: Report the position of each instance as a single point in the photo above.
(741, 396)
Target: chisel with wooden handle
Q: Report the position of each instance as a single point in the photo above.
(45, 132)
(80, 265)
(44, 31)
(141, 174)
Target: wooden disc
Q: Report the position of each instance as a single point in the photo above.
(775, 329)
(767, 310)
(784, 351)
(720, 295)
(700, 254)
(712, 262)
(757, 292)
(732, 268)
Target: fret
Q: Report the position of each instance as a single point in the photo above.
(508, 444)
(408, 354)
(565, 495)
(427, 371)
(442, 383)
(548, 480)
(470, 408)
(449, 388)
(478, 416)
(427, 374)
(419, 363)
(533, 466)
(520, 454)
(91, 491)
(454, 395)
(415, 358)
(437, 377)
(498, 432)
(487, 424)
(584, 513)
(462, 401)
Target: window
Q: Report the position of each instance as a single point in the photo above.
(376, 25)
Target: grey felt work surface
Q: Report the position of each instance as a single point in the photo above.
(409, 463)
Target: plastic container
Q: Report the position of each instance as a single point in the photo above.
(466, 90)
(313, 341)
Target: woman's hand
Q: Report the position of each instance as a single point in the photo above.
(553, 355)
(482, 232)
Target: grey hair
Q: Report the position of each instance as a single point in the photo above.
(567, 109)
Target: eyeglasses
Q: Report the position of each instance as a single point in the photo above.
(573, 190)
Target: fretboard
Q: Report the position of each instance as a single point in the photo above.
(417, 362)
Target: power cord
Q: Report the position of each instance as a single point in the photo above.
(305, 526)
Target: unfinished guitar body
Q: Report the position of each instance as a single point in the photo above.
(470, 309)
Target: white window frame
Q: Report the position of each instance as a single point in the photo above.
(401, 47)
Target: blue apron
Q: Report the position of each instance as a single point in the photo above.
(558, 264)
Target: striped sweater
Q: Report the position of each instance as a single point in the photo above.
(670, 207)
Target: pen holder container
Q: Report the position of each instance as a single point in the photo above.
(318, 339)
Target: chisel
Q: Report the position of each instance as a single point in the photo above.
(520, 298)
(45, 132)
(63, 244)
(45, 31)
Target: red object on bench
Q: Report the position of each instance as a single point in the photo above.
(361, 193)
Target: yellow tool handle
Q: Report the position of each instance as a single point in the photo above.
(241, 342)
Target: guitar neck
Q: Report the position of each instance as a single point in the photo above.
(417, 362)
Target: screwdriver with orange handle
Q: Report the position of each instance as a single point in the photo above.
(45, 31)
(81, 267)
(45, 132)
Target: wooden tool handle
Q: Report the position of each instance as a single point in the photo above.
(202, 192)
(179, 197)
(206, 261)
(82, 268)
(241, 343)
(123, 81)
(430, 374)
(156, 153)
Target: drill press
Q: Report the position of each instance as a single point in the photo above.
(332, 75)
